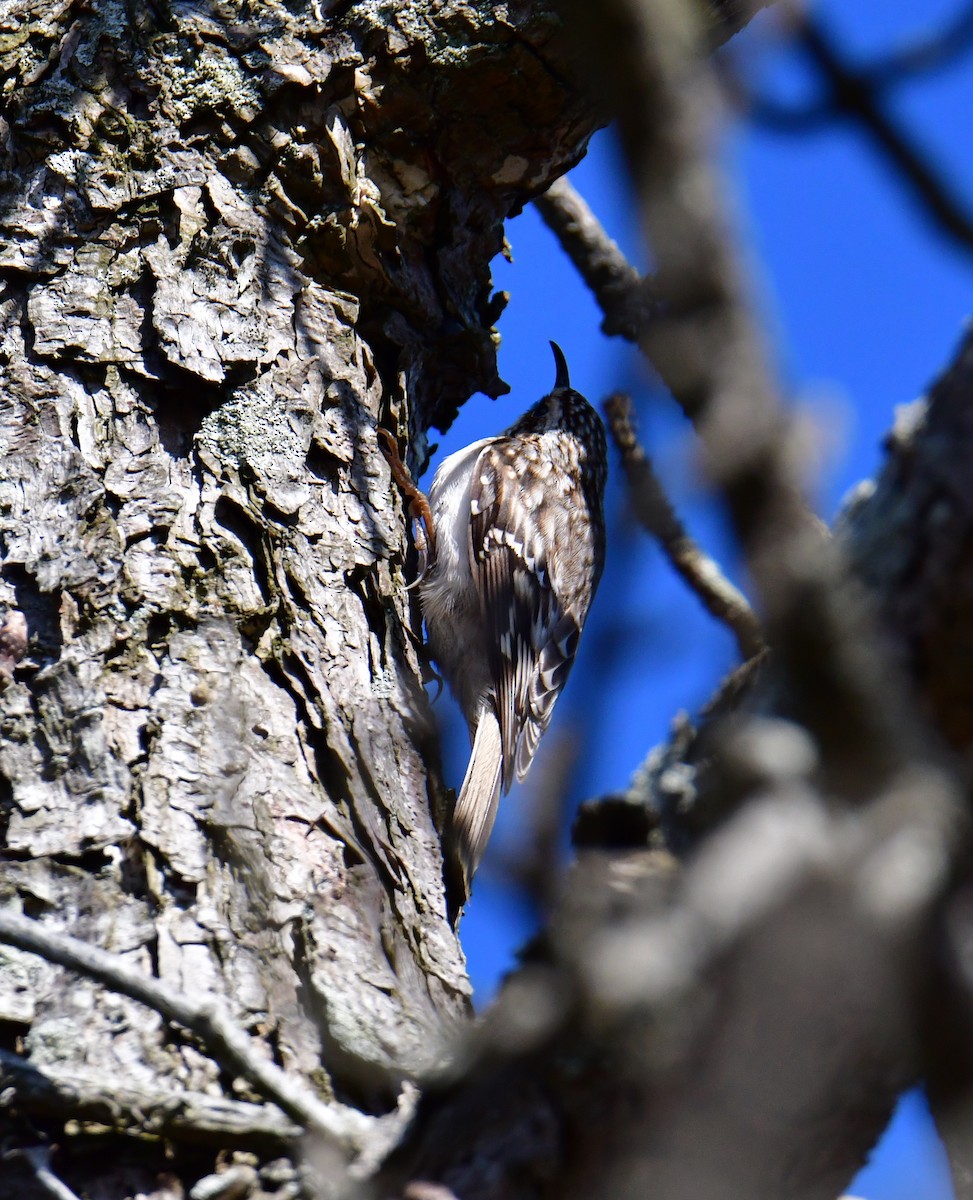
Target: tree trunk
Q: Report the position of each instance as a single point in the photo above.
(235, 242)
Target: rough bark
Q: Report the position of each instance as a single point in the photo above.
(234, 240)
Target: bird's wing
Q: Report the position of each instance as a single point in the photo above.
(531, 635)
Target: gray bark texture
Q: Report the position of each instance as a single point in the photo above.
(235, 239)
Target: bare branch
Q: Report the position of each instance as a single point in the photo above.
(855, 94)
(785, 897)
(705, 346)
(748, 869)
(626, 298)
(660, 980)
(39, 1158)
(206, 1017)
(924, 54)
(857, 98)
(702, 573)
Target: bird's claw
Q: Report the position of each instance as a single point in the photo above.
(423, 529)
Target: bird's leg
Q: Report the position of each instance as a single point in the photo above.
(423, 527)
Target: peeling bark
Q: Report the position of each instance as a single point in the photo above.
(233, 240)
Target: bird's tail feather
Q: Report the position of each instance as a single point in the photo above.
(471, 822)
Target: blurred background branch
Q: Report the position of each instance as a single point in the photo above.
(858, 95)
(652, 507)
(734, 1002)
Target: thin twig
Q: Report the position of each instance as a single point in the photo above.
(39, 1158)
(856, 94)
(626, 298)
(701, 572)
(706, 348)
(628, 301)
(777, 117)
(924, 53)
(858, 99)
(206, 1017)
(733, 688)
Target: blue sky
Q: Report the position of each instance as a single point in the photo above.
(862, 300)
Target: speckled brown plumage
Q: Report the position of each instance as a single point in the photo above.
(521, 543)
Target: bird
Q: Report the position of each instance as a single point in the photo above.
(519, 536)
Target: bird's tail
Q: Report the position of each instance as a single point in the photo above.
(471, 822)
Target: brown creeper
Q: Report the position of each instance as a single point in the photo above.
(520, 546)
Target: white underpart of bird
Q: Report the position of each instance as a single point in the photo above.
(520, 547)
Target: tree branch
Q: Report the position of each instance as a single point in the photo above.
(701, 573)
(228, 1044)
(39, 1159)
(923, 54)
(855, 94)
(857, 97)
(705, 347)
(626, 298)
